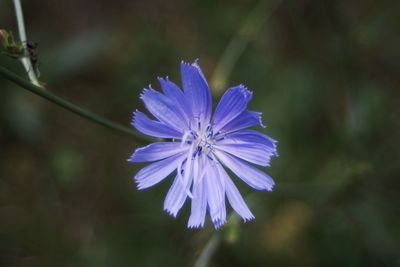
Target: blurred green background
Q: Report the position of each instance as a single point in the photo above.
(325, 74)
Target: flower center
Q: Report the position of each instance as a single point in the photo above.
(202, 138)
(202, 142)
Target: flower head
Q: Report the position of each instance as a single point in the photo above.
(201, 146)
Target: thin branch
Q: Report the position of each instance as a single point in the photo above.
(25, 59)
(71, 107)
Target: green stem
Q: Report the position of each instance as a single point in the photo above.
(247, 33)
(209, 250)
(71, 107)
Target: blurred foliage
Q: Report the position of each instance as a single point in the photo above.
(325, 74)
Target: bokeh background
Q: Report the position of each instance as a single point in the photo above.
(325, 74)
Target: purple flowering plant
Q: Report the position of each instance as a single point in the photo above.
(199, 147)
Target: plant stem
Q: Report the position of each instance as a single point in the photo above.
(25, 59)
(209, 250)
(71, 107)
(247, 33)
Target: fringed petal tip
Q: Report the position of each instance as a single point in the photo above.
(137, 182)
(185, 63)
(197, 66)
(194, 64)
(271, 187)
(143, 93)
(171, 213)
(134, 117)
(260, 120)
(247, 93)
(162, 79)
(133, 157)
(248, 219)
(146, 90)
(274, 152)
(134, 114)
(137, 113)
(191, 66)
(141, 185)
(218, 223)
(195, 226)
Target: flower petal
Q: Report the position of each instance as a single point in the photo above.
(231, 105)
(187, 177)
(246, 119)
(164, 109)
(215, 188)
(176, 197)
(199, 206)
(143, 124)
(157, 151)
(250, 137)
(254, 153)
(172, 91)
(249, 174)
(234, 197)
(196, 91)
(156, 172)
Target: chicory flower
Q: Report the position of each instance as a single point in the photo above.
(199, 147)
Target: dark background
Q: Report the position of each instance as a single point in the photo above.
(325, 74)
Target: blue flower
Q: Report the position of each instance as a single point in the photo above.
(201, 147)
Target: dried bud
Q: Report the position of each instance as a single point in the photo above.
(10, 46)
(4, 37)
